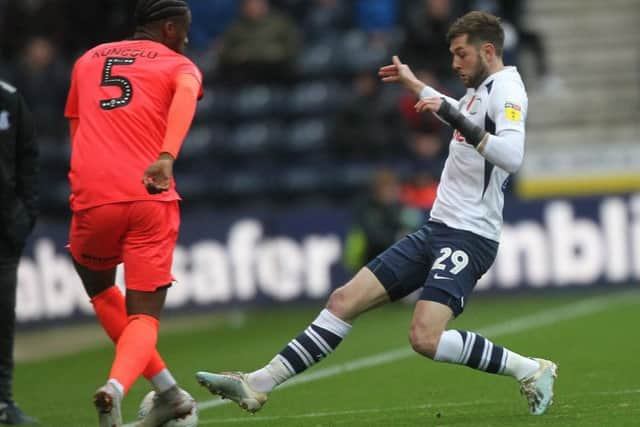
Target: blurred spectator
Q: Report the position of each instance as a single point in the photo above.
(94, 22)
(297, 9)
(70, 24)
(259, 47)
(425, 45)
(325, 17)
(376, 15)
(427, 160)
(24, 19)
(42, 78)
(210, 18)
(420, 190)
(19, 198)
(378, 220)
(378, 18)
(407, 101)
(369, 126)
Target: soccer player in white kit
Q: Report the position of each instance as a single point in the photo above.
(456, 246)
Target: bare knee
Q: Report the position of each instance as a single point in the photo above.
(424, 340)
(363, 292)
(340, 304)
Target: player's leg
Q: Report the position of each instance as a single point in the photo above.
(448, 286)
(392, 275)
(137, 342)
(96, 245)
(148, 255)
(95, 248)
(363, 292)
(317, 341)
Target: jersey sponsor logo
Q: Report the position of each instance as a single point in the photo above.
(4, 120)
(512, 111)
(439, 277)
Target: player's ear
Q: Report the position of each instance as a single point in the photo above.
(488, 50)
(169, 28)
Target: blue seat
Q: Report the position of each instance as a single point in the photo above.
(198, 143)
(247, 182)
(304, 179)
(318, 60)
(257, 102)
(214, 105)
(254, 138)
(352, 176)
(306, 136)
(358, 55)
(317, 98)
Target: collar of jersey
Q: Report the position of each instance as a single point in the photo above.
(490, 78)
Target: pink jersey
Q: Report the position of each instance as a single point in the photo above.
(121, 93)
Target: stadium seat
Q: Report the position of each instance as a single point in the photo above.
(247, 182)
(350, 177)
(194, 185)
(198, 143)
(254, 138)
(317, 60)
(214, 105)
(257, 102)
(317, 98)
(358, 55)
(306, 136)
(303, 179)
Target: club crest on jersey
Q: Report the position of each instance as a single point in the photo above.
(4, 120)
(513, 112)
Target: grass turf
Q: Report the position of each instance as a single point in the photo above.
(597, 353)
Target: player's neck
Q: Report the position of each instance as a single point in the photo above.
(145, 34)
(492, 68)
(496, 66)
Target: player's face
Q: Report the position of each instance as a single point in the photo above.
(177, 33)
(468, 61)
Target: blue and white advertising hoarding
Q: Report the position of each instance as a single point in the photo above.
(249, 258)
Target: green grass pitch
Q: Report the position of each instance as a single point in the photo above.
(373, 379)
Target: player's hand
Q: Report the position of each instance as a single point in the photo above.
(430, 104)
(400, 73)
(157, 177)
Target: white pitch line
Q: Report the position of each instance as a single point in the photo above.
(515, 325)
(350, 412)
(435, 405)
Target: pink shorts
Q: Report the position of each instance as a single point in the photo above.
(140, 234)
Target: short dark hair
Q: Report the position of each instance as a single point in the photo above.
(481, 27)
(155, 10)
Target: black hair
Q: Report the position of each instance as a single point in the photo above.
(154, 10)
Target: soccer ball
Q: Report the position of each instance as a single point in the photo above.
(190, 420)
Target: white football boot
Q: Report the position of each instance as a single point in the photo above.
(107, 402)
(538, 387)
(233, 386)
(172, 404)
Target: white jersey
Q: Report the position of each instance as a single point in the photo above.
(470, 195)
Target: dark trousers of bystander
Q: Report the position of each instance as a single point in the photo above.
(9, 258)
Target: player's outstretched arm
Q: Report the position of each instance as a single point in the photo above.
(397, 72)
(157, 177)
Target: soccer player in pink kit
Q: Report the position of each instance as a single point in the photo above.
(130, 106)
